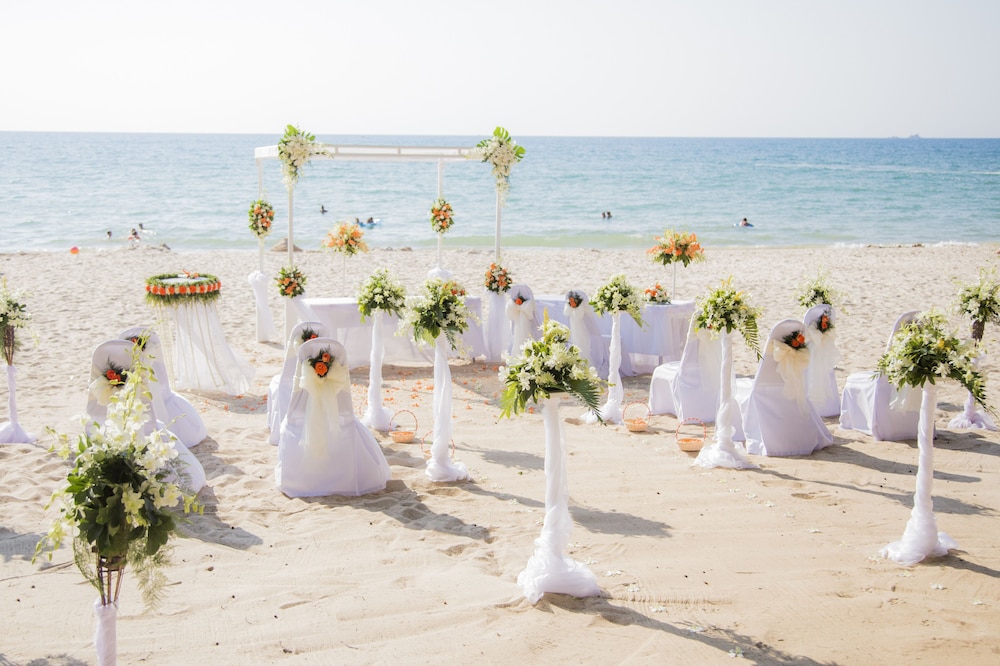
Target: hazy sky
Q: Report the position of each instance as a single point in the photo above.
(788, 68)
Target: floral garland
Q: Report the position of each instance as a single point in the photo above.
(186, 287)
(729, 310)
(817, 292)
(922, 351)
(291, 281)
(575, 299)
(498, 279)
(674, 246)
(980, 302)
(381, 292)
(442, 216)
(261, 215)
(294, 150)
(14, 314)
(347, 238)
(440, 309)
(120, 501)
(502, 152)
(546, 366)
(618, 296)
(657, 294)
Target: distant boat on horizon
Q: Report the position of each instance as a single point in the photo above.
(912, 136)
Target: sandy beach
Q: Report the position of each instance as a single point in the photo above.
(773, 565)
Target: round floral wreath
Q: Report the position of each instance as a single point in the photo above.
(165, 290)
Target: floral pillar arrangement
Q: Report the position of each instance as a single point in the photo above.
(442, 219)
(14, 315)
(261, 215)
(502, 152)
(724, 311)
(979, 302)
(613, 298)
(921, 353)
(120, 505)
(543, 369)
(676, 247)
(291, 282)
(346, 239)
(497, 333)
(295, 149)
(380, 295)
(438, 317)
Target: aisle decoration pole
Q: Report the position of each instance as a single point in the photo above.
(922, 352)
(346, 239)
(380, 296)
(614, 298)
(676, 247)
(120, 504)
(979, 302)
(543, 369)
(726, 310)
(261, 216)
(442, 220)
(497, 333)
(502, 152)
(295, 149)
(14, 315)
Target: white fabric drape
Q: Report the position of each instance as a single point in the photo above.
(722, 451)
(585, 333)
(792, 365)
(440, 466)
(265, 322)
(106, 634)
(203, 360)
(549, 570)
(611, 410)
(496, 335)
(523, 317)
(970, 418)
(376, 415)
(921, 538)
(322, 412)
(822, 382)
(12, 431)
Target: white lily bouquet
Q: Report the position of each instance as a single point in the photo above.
(14, 315)
(295, 150)
(618, 296)
(439, 309)
(502, 152)
(980, 302)
(727, 309)
(382, 292)
(817, 291)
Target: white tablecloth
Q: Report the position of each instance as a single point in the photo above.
(199, 356)
(342, 317)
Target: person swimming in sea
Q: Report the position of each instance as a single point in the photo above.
(322, 209)
(744, 223)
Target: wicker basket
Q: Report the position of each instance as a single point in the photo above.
(688, 441)
(638, 424)
(426, 450)
(402, 436)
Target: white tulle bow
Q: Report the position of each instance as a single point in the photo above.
(322, 412)
(792, 364)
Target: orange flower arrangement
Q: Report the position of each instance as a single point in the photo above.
(674, 246)
(442, 216)
(795, 340)
(498, 279)
(346, 238)
(321, 363)
(174, 288)
(657, 294)
(574, 298)
(291, 282)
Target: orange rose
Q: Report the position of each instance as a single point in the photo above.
(321, 368)
(326, 358)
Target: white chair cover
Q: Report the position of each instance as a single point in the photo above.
(869, 403)
(174, 412)
(279, 390)
(323, 448)
(778, 418)
(823, 357)
(585, 332)
(689, 388)
(496, 333)
(522, 316)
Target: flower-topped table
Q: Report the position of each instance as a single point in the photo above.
(197, 352)
(14, 315)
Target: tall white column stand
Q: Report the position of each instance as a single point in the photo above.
(673, 287)
(496, 240)
(722, 452)
(376, 415)
(921, 538)
(12, 432)
(290, 315)
(549, 570)
(258, 283)
(440, 466)
(439, 271)
(496, 333)
(106, 633)
(611, 411)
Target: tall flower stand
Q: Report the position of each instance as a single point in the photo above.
(265, 323)
(496, 335)
(970, 418)
(722, 452)
(921, 538)
(611, 411)
(109, 572)
(440, 466)
(549, 569)
(376, 415)
(12, 432)
(439, 271)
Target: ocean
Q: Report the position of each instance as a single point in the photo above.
(192, 192)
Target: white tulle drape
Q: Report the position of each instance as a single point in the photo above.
(971, 418)
(440, 466)
(549, 569)
(823, 357)
(376, 415)
(792, 365)
(496, 335)
(611, 410)
(106, 634)
(322, 420)
(921, 538)
(523, 317)
(12, 431)
(202, 359)
(722, 451)
(265, 322)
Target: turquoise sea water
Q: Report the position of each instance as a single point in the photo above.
(58, 190)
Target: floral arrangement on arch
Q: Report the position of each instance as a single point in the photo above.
(121, 503)
(347, 238)
(291, 281)
(14, 314)
(677, 247)
(618, 296)
(381, 292)
(726, 309)
(261, 215)
(498, 279)
(502, 152)
(442, 216)
(657, 295)
(439, 309)
(817, 291)
(546, 366)
(980, 302)
(923, 351)
(295, 150)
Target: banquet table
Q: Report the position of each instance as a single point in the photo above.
(342, 317)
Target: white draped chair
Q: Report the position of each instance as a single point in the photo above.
(175, 412)
(520, 311)
(689, 388)
(869, 403)
(823, 356)
(118, 354)
(279, 390)
(585, 332)
(778, 417)
(323, 448)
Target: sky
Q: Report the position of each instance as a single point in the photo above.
(705, 68)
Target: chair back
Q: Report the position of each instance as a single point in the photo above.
(903, 319)
(767, 371)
